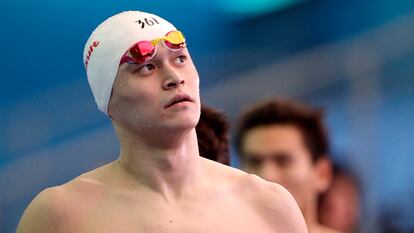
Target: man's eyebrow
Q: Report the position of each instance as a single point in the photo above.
(174, 53)
(128, 67)
(280, 154)
(253, 155)
(134, 65)
(270, 155)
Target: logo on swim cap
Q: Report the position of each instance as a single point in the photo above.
(94, 45)
(150, 22)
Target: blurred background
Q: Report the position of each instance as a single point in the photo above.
(353, 58)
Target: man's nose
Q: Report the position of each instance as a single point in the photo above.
(270, 172)
(172, 79)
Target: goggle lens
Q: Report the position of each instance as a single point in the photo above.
(145, 50)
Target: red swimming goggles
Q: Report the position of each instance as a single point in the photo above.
(144, 50)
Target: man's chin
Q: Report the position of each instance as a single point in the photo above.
(182, 124)
(186, 125)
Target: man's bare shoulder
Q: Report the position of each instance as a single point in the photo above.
(248, 185)
(46, 213)
(58, 206)
(271, 201)
(275, 203)
(324, 229)
(256, 189)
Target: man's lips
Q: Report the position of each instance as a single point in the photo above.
(178, 99)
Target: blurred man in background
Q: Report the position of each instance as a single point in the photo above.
(213, 135)
(339, 207)
(286, 142)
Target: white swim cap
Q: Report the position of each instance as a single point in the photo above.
(109, 41)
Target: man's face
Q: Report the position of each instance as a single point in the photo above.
(278, 154)
(143, 95)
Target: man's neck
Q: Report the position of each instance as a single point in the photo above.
(171, 170)
(310, 215)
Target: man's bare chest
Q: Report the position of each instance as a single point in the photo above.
(153, 218)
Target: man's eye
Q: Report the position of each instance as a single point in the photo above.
(253, 162)
(147, 67)
(180, 59)
(283, 159)
(144, 69)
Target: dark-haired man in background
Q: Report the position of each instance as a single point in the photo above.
(286, 142)
(213, 135)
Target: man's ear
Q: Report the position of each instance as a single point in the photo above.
(323, 174)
